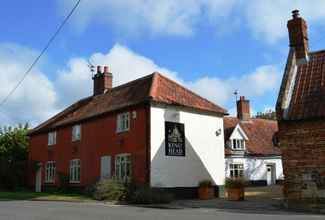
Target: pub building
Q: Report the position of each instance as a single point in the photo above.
(151, 130)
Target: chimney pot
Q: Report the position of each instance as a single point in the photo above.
(295, 13)
(105, 69)
(99, 69)
(103, 81)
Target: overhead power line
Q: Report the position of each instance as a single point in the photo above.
(41, 53)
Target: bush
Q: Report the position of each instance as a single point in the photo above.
(205, 183)
(235, 183)
(110, 189)
(64, 182)
(147, 195)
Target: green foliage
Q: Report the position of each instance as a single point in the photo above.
(63, 182)
(13, 156)
(205, 183)
(235, 183)
(147, 195)
(110, 189)
(270, 115)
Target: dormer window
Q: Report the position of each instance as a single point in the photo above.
(51, 139)
(76, 133)
(238, 144)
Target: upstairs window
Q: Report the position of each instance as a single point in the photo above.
(50, 172)
(236, 170)
(74, 171)
(238, 144)
(123, 122)
(51, 138)
(76, 133)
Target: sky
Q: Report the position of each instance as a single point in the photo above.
(212, 47)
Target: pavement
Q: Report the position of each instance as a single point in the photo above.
(36, 210)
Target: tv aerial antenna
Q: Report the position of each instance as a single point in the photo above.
(236, 94)
(91, 68)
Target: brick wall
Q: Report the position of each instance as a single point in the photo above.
(303, 153)
(98, 138)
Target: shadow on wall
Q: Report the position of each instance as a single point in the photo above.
(254, 170)
(177, 171)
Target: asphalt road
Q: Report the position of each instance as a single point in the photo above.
(32, 210)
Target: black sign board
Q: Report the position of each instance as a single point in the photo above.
(174, 139)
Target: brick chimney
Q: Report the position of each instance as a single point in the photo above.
(298, 36)
(243, 109)
(103, 81)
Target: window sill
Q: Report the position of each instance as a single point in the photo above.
(74, 182)
(75, 141)
(122, 131)
(49, 183)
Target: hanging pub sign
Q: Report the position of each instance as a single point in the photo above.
(174, 139)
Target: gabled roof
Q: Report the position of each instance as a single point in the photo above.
(260, 134)
(308, 94)
(151, 88)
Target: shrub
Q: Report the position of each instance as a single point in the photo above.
(147, 195)
(110, 189)
(232, 183)
(205, 183)
(64, 182)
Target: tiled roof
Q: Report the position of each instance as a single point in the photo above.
(154, 87)
(308, 98)
(260, 133)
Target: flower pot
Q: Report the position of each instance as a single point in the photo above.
(206, 193)
(235, 194)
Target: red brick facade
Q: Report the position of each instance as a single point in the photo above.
(98, 138)
(303, 153)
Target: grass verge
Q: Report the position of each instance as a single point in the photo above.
(27, 195)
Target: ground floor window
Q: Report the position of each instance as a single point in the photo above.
(50, 172)
(236, 170)
(123, 167)
(74, 171)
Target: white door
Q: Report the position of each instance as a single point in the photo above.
(270, 176)
(38, 179)
(105, 167)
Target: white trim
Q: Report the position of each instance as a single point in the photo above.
(47, 179)
(241, 131)
(74, 133)
(121, 126)
(72, 168)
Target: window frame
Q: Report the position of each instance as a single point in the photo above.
(238, 144)
(75, 128)
(50, 172)
(123, 122)
(121, 167)
(51, 138)
(74, 166)
(238, 168)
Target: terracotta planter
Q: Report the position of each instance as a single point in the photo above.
(235, 194)
(206, 193)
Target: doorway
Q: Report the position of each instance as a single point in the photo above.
(270, 174)
(38, 178)
(105, 167)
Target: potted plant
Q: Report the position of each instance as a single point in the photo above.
(206, 190)
(235, 188)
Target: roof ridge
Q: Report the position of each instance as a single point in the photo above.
(188, 90)
(131, 82)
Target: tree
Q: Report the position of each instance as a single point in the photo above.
(13, 156)
(270, 115)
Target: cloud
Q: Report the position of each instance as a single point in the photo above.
(127, 65)
(265, 19)
(168, 17)
(268, 19)
(35, 99)
(38, 98)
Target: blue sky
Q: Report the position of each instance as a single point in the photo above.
(211, 46)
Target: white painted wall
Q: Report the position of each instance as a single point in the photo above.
(255, 167)
(204, 150)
